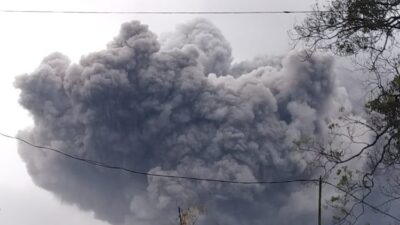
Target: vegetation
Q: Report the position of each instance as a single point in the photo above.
(367, 29)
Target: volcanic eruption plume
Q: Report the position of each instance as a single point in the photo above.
(178, 106)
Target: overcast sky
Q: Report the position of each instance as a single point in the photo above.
(26, 38)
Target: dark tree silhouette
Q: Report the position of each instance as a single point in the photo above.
(367, 29)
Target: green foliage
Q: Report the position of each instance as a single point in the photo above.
(367, 28)
(387, 104)
(335, 198)
(347, 27)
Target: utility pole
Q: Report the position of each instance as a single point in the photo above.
(319, 200)
(180, 216)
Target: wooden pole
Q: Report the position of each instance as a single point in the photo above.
(319, 200)
(180, 216)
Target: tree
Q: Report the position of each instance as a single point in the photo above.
(369, 30)
(190, 215)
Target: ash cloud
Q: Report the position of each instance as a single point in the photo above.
(178, 106)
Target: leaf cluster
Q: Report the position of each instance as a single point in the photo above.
(367, 28)
(347, 27)
(387, 104)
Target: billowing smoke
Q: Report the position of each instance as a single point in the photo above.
(178, 106)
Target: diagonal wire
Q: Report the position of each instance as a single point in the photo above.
(363, 201)
(104, 165)
(100, 164)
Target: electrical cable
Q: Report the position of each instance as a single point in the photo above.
(363, 201)
(100, 164)
(158, 12)
(104, 165)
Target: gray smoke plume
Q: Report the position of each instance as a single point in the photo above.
(178, 106)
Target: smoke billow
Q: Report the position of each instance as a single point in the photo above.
(178, 106)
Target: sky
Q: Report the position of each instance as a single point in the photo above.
(26, 38)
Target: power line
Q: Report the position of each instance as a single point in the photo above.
(100, 164)
(158, 12)
(363, 201)
(104, 165)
